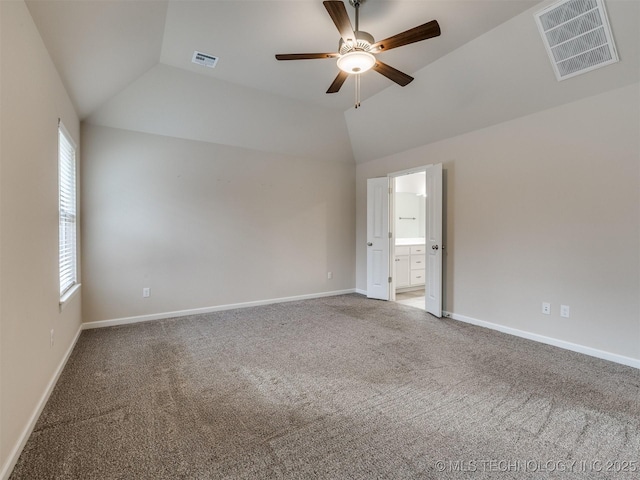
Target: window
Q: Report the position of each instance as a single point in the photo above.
(67, 210)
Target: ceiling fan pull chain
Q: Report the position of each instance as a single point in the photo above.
(356, 6)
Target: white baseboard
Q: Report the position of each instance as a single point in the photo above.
(7, 468)
(574, 347)
(218, 308)
(361, 292)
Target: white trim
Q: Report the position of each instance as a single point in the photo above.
(7, 468)
(70, 138)
(392, 213)
(574, 347)
(196, 311)
(360, 291)
(410, 171)
(69, 294)
(68, 252)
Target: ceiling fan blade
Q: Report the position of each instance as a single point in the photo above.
(340, 17)
(416, 34)
(337, 83)
(391, 73)
(305, 56)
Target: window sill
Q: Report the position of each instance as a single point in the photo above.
(66, 298)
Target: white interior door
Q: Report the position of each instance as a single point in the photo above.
(433, 294)
(378, 238)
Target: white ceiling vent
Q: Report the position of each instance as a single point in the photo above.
(577, 36)
(204, 59)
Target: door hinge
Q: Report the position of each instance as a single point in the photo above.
(390, 236)
(389, 279)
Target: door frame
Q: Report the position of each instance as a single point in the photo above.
(392, 240)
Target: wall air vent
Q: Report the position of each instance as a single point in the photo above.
(577, 36)
(204, 59)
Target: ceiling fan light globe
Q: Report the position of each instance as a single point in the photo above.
(356, 62)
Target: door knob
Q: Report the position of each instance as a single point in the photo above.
(369, 244)
(434, 247)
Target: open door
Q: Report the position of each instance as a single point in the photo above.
(433, 294)
(378, 238)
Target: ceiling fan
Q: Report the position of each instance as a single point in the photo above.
(357, 49)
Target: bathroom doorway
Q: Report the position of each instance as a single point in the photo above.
(409, 228)
(411, 259)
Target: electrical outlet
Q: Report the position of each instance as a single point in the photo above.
(329, 275)
(146, 292)
(564, 311)
(546, 308)
(51, 339)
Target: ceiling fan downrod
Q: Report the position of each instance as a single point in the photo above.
(356, 5)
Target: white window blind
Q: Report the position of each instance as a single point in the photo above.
(67, 208)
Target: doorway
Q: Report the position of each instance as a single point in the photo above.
(407, 251)
(412, 261)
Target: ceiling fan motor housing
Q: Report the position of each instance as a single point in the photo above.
(363, 42)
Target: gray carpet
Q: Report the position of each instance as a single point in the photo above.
(331, 388)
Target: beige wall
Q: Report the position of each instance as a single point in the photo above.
(205, 225)
(541, 208)
(33, 98)
(178, 103)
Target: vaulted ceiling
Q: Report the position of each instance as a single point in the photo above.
(100, 47)
(127, 64)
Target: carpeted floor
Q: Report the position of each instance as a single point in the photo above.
(332, 388)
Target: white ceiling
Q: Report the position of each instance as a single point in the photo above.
(502, 75)
(127, 64)
(100, 47)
